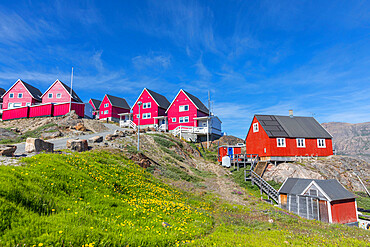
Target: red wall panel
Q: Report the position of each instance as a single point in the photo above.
(343, 211)
(79, 109)
(61, 109)
(41, 110)
(21, 112)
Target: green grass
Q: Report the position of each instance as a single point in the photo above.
(163, 142)
(363, 201)
(34, 134)
(176, 173)
(172, 153)
(93, 197)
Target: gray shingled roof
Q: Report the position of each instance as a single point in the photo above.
(2, 91)
(293, 127)
(74, 95)
(160, 99)
(331, 187)
(118, 102)
(96, 103)
(35, 92)
(197, 102)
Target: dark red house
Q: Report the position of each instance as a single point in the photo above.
(95, 105)
(184, 111)
(59, 92)
(111, 106)
(325, 200)
(275, 137)
(153, 109)
(21, 94)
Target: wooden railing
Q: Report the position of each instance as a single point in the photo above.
(263, 185)
(127, 123)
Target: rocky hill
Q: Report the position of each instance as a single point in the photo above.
(351, 139)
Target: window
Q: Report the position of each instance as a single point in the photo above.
(11, 95)
(313, 192)
(147, 105)
(147, 115)
(106, 105)
(59, 95)
(101, 112)
(281, 142)
(321, 143)
(183, 119)
(137, 116)
(255, 127)
(173, 120)
(50, 95)
(184, 108)
(28, 104)
(106, 112)
(17, 105)
(10, 105)
(301, 142)
(20, 95)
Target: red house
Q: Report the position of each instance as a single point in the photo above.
(21, 94)
(152, 111)
(59, 92)
(184, 111)
(111, 106)
(95, 105)
(325, 200)
(276, 138)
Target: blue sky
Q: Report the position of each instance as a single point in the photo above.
(256, 57)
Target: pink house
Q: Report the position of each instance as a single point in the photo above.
(21, 94)
(59, 92)
(111, 106)
(95, 105)
(152, 111)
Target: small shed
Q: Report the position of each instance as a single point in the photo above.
(226, 150)
(324, 200)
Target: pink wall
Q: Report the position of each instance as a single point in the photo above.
(18, 88)
(41, 110)
(112, 111)
(173, 111)
(55, 89)
(153, 110)
(21, 112)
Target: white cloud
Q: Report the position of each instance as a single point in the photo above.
(151, 61)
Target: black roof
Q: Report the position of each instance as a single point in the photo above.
(2, 91)
(332, 188)
(293, 127)
(197, 102)
(74, 95)
(160, 99)
(118, 102)
(96, 103)
(35, 92)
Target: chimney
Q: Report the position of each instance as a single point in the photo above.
(291, 113)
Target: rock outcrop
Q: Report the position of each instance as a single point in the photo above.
(79, 145)
(7, 150)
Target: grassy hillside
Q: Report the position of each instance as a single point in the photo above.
(101, 198)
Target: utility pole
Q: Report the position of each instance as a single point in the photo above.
(138, 127)
(70, 103)
(208, 118)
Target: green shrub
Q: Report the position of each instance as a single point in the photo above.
(163, 142)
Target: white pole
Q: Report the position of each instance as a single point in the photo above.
(138, 128)
(70, 103)
(209, 114)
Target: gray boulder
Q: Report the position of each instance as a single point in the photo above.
(7, 150)
(119, 133)
(96, 139)
(79, 145)
(38, 145)
(51, 135)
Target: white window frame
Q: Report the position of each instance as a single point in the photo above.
(15, 105)
(50, 95)
(11, 95)
(59, 95)
(184, 119)
(173, 120)
(102, 112)
(137, 116)
(106, 105)
(20, 94)
(321, 143)
(301, 143)
(280, 142)
(147, 115)
(183, 108)
(147, 105)
(106, 112)
(28, 104)
(255, 127)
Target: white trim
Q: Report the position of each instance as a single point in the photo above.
(68, 102)
(106, 95)
(319, 188)
(42, 104)
(329, 212)
(19, 80)
(282, 185)
(57, 80)
(186, 96)
(49, 95)
(318, 143)
(304, 142)
(60, 96)
(140, 96)
(257, 127)
(12, 96)
(183, 106)
(356, 209)
(21, 94)
(283, 142)
(173, 121)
